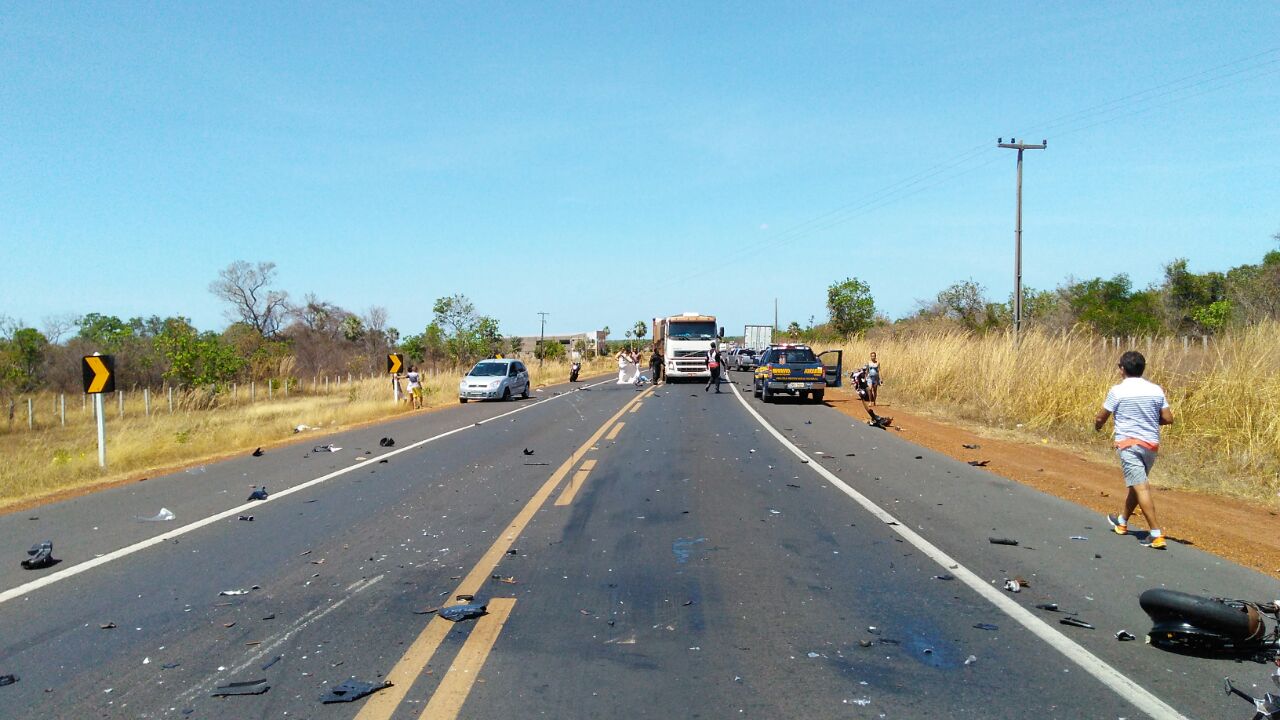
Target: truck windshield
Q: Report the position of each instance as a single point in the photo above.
(692, 331)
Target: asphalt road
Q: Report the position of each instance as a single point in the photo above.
(664, 552)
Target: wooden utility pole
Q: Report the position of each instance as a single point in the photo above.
(1013, 144)
(542, 339)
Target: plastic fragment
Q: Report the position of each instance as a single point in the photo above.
(247, 518)
(458, 613)
(352, 689)
(967, 446)
(107, 626)
(41, 556)
(8, 680)
(944, 576)
(1079, 537)
(387, 442)
(325, 448)
(1125, 636)
(1012, 586)
(164, 515)
(971, 660)
(273, 661)
(1051, 607)
(986, 626)
(248, 687)
(259, 493)
(527, 451)
(1002, 541)
(232, 593)
(259, 453)
(979, 463)
(1076, 622)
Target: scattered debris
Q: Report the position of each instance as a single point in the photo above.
(107, 626)
(41, 556)
(971, 660)
(1012, 586)
(325, 448)
(510, 580)
(1051, 607)
(979, 463)
(299, 428)
(247, 518)
(273, 661)
(792, 485)
(1125, 636)
(259, 493)
(1079, 537)
(386, 442)
(944, 576)
(527, 451)
(1002, 541)
(382, 461)
(233, 593)
(1076, 622)
(1268, 706)
(352, 689)
(248, 687)
(164, 515)
(259, 453)
(458, 613)
(538, 463)
(8, 680)
(967, 446)
(986, 626)
(919, 457)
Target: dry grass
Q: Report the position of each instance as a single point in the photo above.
(1226, 398)
(52, 458)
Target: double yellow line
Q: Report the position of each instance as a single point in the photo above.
(452, 692)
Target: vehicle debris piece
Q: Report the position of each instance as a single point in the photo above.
(1012, 586)
(273, 661)
(248, 687)
(986, 626)
(386, 442)
(325, 448)
(1002, 541)
(247, 518)
(880, 421)
(8, 680)
(510, 580)
(527, 451)
(107, 626)
(1051, 607)
(458, 613)
(1125, 636)
(41, 556)
(1079, 537)
(164, 515)
(259, 453)
(352, 689)
(538, 463)
(233, 593)
(299, 428)
(971, 660)
(259, 493)
(979, 463)
(1265, 707)
(1076, 622)
(968, 446)
(944, 576)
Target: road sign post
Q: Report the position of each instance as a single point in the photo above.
(99, 375)
(395, 361)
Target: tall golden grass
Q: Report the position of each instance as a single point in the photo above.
(53, 458)
(1225, 397)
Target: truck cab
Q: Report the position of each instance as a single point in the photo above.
(684, 341)
(793, 369)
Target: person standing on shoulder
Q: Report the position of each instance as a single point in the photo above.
(1140, 408)
(873, 379)
(415, 387)
(714, 362)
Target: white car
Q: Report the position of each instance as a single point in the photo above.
(495, 379)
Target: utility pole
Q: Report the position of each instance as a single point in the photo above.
(1013, 144)
(542, 339)
(775, 314)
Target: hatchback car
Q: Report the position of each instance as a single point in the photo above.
(494, 380)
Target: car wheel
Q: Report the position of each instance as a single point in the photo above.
(525, 394)
(765, 395)
(506, 394)
(755, 389)
(817, 396)
(462, 401)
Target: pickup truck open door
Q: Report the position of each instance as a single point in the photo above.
(832, 366)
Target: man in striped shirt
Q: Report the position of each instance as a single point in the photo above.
(1140, 408)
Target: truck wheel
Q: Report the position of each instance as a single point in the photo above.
(817, 395)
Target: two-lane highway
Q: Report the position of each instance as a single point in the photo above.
(664, 552)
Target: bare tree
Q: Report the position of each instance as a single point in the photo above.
(247, 289)
(55, 326)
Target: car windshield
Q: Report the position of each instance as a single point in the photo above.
(488, 369)
(794, 355)
(692, 330)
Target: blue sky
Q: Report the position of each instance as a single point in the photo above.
(609, 162)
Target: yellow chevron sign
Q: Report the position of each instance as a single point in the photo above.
(99, 374)
(395, 361)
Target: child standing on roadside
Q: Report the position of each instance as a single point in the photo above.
(1140, 408)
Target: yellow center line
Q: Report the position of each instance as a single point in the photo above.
(614, 432)
(446, 702)
(380, 706)
(636, 408)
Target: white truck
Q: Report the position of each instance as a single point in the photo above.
(684, 341)
(757, 337)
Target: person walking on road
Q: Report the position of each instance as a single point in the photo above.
(873, 379)
(655, 365)
(1140, 408)
(714, 363)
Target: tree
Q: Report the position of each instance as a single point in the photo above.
(107, 333)
(550, 350)
(965, 302)
(851, 306)
(641, 329)
(22, 356)
(794, 330)
(195, 358)
(1111, 307)
(515, 344)
(472, 334)
(246, 288)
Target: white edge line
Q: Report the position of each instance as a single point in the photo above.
(1090, 663)
(47, 580)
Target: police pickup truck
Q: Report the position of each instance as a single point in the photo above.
(794, 369)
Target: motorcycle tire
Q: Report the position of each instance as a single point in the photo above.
(1170, 608)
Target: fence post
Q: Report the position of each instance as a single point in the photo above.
(271, 383)
(253, 390)
(1204, 342)
(170, 399)
(146, 401)
(286, 387)
(235, 393)
(120, 399)
(63, 402)
(84, 403)
(31, 415)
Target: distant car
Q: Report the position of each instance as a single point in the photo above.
(743, 359)
(497, 379)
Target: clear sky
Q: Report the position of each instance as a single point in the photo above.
(608, 162)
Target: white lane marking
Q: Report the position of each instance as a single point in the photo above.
(311, 616)
(1090, 663)
(128, 550)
